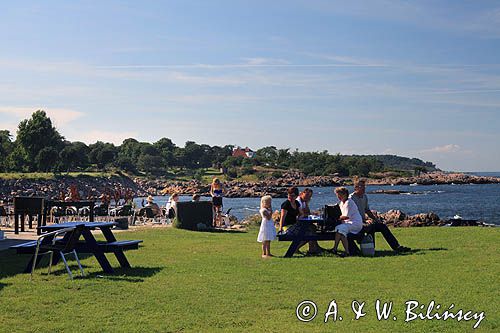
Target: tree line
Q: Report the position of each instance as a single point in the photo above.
(38, 146)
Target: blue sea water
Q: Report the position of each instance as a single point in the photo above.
(470, 201)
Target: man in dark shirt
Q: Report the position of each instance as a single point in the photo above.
(361, 200)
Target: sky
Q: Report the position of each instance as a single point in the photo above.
(411, 78)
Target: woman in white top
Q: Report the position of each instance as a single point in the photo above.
(172, 206)
(351, 221)
(267, 231)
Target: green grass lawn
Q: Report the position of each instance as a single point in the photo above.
(198, 282)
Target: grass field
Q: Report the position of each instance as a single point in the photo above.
(198, 282)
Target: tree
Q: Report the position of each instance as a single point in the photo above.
(102, 153)
(35, 134)
(74, 155)
(167, 150)
(6, 147)
(47, 159)
(151, 164)
(17, 160)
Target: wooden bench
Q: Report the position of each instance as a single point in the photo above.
(29, 247)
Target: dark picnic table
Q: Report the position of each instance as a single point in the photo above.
(302, 233)
(89, 244)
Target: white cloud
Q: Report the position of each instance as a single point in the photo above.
(59, 116)
(450, 148)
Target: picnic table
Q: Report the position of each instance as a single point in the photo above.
(88, 245)
(302, 233)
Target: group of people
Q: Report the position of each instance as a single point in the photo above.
(354, 208)
(216, 192)
(170, 208)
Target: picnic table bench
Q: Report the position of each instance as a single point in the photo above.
(88, 245)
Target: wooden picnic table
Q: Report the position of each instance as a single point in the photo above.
(89, 244)
(302, 233)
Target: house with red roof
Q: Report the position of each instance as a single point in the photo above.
(243, 152)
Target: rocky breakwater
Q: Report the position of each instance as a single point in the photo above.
(397, 218)
(275, 187)
(435, 178)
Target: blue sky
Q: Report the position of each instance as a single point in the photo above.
(413, 78)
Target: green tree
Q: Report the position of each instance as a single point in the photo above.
(6, 147)
(151, 164)
(47, 159)
(102, 154)
(167, 150)
(17, 160)
(74, 156)
(35, 134)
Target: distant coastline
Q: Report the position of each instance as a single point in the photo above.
(92, 187)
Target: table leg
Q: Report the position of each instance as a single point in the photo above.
(293, 247)
(22, 222)
(94, 248)
(120, 255)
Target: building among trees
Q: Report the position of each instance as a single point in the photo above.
(243, 152)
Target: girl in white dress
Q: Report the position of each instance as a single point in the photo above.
(267, 231)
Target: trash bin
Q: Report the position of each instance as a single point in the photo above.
(122, 222)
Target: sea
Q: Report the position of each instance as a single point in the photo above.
(470, 201)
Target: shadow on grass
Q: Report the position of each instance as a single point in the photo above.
(134, 274)
(378, 254)
(3, 285)
(225, 231)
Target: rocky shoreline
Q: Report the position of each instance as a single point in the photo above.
(398, 219)
(93, 187)
(276, 187)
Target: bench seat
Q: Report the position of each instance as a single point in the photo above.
(29, 247)
(120, 245)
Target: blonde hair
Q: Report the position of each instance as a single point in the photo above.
(265, 199)
(342, 191)
(215, 180)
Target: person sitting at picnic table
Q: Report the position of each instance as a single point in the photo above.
(153, 206)
(374, 225)
(303, 199)
(351, 221)
(290, 210)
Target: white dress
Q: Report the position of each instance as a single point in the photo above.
(267, 230)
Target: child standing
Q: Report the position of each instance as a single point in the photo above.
(267, 231)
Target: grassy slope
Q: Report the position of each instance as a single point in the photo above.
(206, 281)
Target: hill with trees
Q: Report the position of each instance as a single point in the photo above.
(39, 147)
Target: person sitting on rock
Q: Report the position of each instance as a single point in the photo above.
(375, 225)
